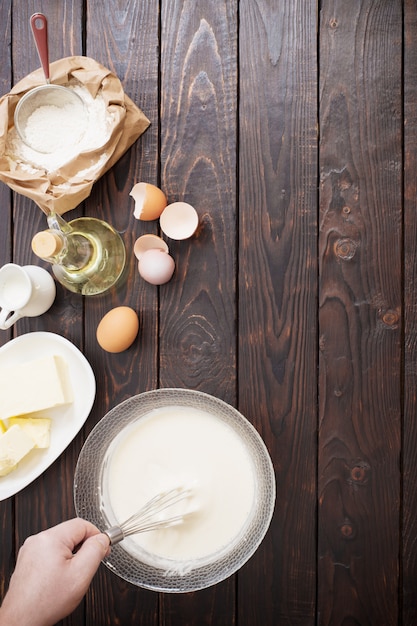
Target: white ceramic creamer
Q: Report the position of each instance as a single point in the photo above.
(25, 291)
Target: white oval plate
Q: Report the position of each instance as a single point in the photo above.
(66, 420)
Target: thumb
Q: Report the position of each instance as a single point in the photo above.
(92, 552)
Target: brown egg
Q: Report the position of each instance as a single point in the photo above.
(150, 201)
(118, 329)
(149, 242)
(156, 267)
(179, 220)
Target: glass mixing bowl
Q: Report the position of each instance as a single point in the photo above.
(125, 559)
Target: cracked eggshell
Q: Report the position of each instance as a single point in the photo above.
(156, 266)
(150, 201)
(179, 220)
(149, 242)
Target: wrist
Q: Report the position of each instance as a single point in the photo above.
(14, 617)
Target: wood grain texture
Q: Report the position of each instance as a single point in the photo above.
(409, 544)
(48, 500)
(282, 123)
(198, 165)
(7, 559)
(6, 240)
(6, 216)
(359, 312)
(198, 161)
(277, 287)
(113, 31)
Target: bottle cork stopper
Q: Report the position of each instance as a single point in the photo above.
(46, 244)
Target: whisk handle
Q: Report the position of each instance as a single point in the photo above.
(115, 534)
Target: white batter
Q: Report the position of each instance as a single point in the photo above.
(178, 446)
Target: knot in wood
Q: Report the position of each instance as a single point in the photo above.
(345, 249)
(391, 318)
(347, 530)
(333, 22)
(346, 210)
(359, 474)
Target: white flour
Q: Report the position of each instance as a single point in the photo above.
(50, 127)
(57, 135)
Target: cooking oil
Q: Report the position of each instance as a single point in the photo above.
(88, 255)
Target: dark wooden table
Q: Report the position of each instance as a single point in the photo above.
(292, 128)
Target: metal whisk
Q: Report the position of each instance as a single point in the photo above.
(147, 518)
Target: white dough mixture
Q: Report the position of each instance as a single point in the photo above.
(179, 446)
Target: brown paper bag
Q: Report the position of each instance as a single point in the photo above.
(61, 190)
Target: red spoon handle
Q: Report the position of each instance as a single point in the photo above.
(39, 25)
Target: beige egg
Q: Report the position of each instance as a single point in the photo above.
(179, 220)
(118, 329)
(149, 242)
(156, 267)
(150, 201)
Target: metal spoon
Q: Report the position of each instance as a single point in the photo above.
(44, 95)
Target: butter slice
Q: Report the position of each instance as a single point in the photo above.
(14, 445)
(34, 386)
(38, 428)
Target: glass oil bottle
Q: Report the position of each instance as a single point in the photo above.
(88, 255)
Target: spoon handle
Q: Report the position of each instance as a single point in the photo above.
(39, 26)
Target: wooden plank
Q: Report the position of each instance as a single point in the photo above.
(277, 301)
(198, 165)
(360, 311)
(198, 139)
(409, 548)
(124, 38)
(6, 506)
(6, 249)
(48, 500)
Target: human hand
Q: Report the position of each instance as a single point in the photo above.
(53, 572)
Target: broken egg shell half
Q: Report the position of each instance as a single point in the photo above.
(156, 266)
(150, 201)
(179, 220)
(118, 329)
(149, 242)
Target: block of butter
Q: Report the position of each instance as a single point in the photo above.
(14, 445)
(36, 427)
(34, 386)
